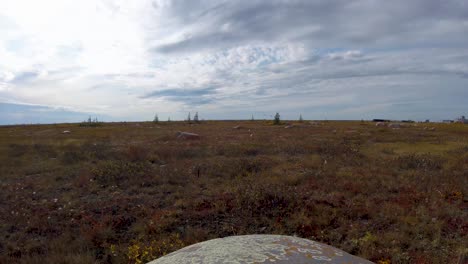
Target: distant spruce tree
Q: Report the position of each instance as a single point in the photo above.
(91, 122)
(300, 118)
(169, 119)
(277, 120)
(189, 118)
(252, 119)
(156, 119)
(195, 118)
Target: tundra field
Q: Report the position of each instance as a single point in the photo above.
(131, 192)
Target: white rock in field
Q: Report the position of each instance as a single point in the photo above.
(394, 125)
(66, 132)
(380, 124)
(187, 135)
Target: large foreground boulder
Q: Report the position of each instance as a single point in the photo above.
(259, 249)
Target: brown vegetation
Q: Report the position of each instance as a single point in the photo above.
(121, 193)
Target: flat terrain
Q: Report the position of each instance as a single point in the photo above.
(131, 192)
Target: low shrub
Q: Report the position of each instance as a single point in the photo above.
(419, 162)
(45, 150)
(17, 150)
(141, 252)
(121, 172)
(73, 154)
(101, 150)
(136, 153)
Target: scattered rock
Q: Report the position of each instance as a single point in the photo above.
(187, 135)
(66, 132)
(394, 125)
(380, 124)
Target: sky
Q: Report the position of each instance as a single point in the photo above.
(64, 60)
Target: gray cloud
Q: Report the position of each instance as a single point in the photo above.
(190, 97)
(25, 114)
(24, 77)
(333, 23)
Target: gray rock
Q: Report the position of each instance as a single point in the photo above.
(187, 135)
(259, 249)
(394, 125)
(380, 124)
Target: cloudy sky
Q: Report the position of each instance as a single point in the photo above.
(62, 60)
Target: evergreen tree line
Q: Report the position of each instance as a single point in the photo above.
(195, 119)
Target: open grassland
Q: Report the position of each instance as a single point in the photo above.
(131, 192)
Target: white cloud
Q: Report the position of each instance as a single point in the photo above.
(347, 55)
(106, 56)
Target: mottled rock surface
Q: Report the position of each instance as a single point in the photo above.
(259, 249)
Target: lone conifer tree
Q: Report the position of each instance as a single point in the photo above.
(300, 118)
(188, 118)
(169, 119)
(195, 117)
(277, 120)
(252, 119)
(156, 119)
